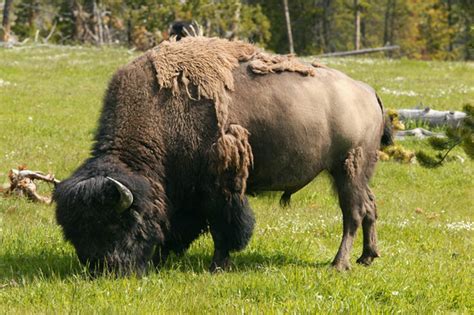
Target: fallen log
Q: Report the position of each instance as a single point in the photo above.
(359, 52)
(22, 183)
(432, 117)
(418, 133)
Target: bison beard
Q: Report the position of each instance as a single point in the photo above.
(190, 127)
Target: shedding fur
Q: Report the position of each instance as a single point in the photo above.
(234, 156)
(207, 64)
(318, 64)
(353, 162)
(264, 63)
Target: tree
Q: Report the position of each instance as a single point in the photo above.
(389, 22)
(356, 25)
(428, 29)
(288, 26)
(326, 25)
(6, 20)
(466, 34)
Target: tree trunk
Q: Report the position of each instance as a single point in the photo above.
(98, 29)
(6, 20)
(386, 31)
(392, 22)
(32, 15)
(327, 25)
(76, 27)
(356, 25)
(288, 26)
(236, 21)
(363, 37)
(467, 38)
(389, 24)
(450, 25)
(87, 18)
(468, 41)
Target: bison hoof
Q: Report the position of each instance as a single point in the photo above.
(341, 265)
(367, 260)
(217, 267)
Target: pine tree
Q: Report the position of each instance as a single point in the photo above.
(462, 136)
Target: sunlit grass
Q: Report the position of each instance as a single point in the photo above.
(50, 99)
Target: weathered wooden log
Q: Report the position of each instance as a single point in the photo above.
(359, 52)
(432, 117)
(418, 133)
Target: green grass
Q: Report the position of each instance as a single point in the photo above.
(50, 99)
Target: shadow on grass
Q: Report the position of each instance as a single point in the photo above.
(15, 270)
(45, 265)
(241, 262)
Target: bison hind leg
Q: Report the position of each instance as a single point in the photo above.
(370, 251)
(285, 199)
(357, 203)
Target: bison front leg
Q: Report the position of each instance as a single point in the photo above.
(358, 207)
(160, 256)
(184, 227)
(231, 223)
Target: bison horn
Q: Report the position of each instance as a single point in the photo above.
(126, 196)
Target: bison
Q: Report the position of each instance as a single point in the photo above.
(190, 127)
(180, 29)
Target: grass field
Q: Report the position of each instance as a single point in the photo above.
(49, 103)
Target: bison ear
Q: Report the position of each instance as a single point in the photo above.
(126, 196)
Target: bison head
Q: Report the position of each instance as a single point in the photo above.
(106, 216)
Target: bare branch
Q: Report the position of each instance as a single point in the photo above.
(50, 33)
(49, 178)
(22, 183)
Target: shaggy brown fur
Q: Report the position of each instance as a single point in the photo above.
(317, 64)
(207, 64)
(353, 161)
(264, 63)
(234, 154)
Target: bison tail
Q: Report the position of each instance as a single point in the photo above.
(387, 135)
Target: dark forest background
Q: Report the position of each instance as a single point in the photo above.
(428, 29)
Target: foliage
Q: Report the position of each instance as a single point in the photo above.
(394, 119)
(462, 136)
(399, 153)
(432, 29)
(50, 99)
(140, 23)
